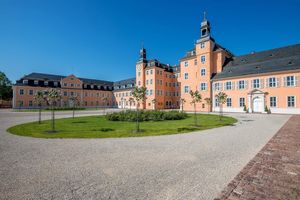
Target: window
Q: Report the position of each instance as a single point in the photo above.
(25, 82)
(217, 102)
(65, 84)
(241, 84)
(203, 86)
(151, 81)
(195, 62)
(202, 45)
(272, 82)
(202, 72)
(290, 81)
(30, 92)
(55, 83)
(242, 102)
(147, 72)
(186, 75)
(202, 59)
(291, 101)
(147, 82)
(139, 73)
(217, 86)
(229, 102)
(151, 92)
(186, 63)
(36, 82)
(273, 101)
(21, 103)
(151, 71)
(66, 93)
(21, 92)
(30, 103)
(186, 89)
(256, 83)
(160, 72)
(72, 85)
(229, 85)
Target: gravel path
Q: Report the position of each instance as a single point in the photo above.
(185, 166)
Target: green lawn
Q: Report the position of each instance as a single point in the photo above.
(99, 127)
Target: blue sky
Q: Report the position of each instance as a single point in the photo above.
(101, 39)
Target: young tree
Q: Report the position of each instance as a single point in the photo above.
(196, 98)
(74, 101)
(182, 102)
(53, 96)
(222, 98)
(39, 98)
(131, 100)
(208, 103)
(6, 92)
(154, 103)
(105, 100)
(139, 94)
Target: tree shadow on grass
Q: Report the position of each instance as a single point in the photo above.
(104, 129)
(184, 129)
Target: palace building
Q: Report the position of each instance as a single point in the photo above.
(252, 82)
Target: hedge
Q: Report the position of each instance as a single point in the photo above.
(146, 115)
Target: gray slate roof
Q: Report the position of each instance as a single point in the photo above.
(274, 60)
(51, 77)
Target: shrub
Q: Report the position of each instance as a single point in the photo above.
(146, 115)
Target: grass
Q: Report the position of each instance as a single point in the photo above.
(99, 127)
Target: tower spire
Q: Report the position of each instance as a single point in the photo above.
(204, 16)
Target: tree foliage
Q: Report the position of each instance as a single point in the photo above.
(6, 92)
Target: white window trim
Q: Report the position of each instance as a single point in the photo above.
(295, 101)
(239, 98)
(270, 102)
(201, 72)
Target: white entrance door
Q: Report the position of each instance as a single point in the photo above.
(258, 105)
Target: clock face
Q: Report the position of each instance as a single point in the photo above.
(139, 67)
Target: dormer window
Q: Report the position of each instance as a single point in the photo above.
(55, 84)
(36, 82)
(25, 82)
(92, 86)
(98, 86)
(65, 84)
(46, 83)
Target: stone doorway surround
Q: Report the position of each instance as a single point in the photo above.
(256, 94)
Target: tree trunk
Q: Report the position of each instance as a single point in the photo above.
(137, 120)
(53, 119)
(40, 115)
(73, 112)
(221, 111)
(195, 115)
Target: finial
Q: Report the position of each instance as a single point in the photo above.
(204, 16)
(142, 44)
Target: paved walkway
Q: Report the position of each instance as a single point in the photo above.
(274, 173)
(185, 166)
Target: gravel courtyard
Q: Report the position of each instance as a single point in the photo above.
(185, 166)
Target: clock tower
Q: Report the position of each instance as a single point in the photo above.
(140, 70)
